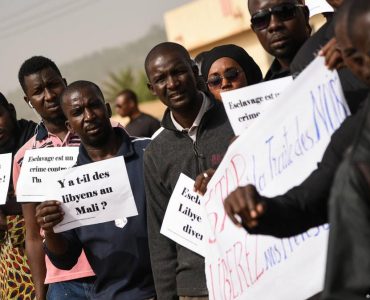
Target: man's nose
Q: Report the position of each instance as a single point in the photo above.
(275, 23)
(48, 94)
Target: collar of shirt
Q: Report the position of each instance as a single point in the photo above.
(276, 71)
(44, 135)
(192, 131)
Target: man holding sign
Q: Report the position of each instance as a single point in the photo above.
(117, 251)
(42, 84)
(196, 135)
(13, 134)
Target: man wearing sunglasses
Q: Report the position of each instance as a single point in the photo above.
(281, 27)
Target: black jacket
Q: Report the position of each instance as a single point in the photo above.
(348, 260)
(178, 271)
(306, 205)
(354, 90)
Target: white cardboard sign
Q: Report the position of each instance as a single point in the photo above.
(37, 166)
(318, 7)
(94, 193)
(277, 152)
(183, 221)
(243, 106)
(5, 167)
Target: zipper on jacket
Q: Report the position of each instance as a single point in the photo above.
(198, 157)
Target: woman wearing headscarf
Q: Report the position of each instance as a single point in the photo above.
(229, 67)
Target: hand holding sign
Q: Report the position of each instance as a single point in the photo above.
(49, 214)
(246, 203)
(201, 182)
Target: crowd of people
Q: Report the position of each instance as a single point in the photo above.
(130, 259)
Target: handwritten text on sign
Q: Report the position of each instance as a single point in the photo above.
(243, 106)
(276, 153)
(183, 221)
(94, 193)
(37, 166)
(5, 167)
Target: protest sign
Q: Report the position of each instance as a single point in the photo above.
(318, 7)
(5, 167)
(94, 193)
(182, 222)
(243, 106)
(37, 166)
(277, 152)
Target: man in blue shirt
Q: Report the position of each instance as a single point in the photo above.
(117, 252)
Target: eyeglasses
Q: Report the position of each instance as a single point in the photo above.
(284, 12)
(230, 75)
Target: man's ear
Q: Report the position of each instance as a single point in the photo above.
(109, 110)
(150, 87)
(306, 13)
(195, 69)
(70, 129)
(12, 111)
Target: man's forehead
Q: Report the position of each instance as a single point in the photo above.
(256, 5)
(47, 73)
(167, 58)
(81, 94)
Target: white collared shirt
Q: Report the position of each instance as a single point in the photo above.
(192, 131)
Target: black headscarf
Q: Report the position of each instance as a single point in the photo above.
(246, 62)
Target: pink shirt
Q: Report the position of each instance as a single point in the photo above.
(46, 139)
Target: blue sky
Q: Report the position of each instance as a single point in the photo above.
(67, 29)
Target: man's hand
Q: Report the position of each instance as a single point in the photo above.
(246, 203)
(201, 182)
(333, 56)
(49, 214)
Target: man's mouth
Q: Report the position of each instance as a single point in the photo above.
(92, 129)
(53, 107)
(177, 95)
(279, 40)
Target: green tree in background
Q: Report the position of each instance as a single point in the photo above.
(126, 79)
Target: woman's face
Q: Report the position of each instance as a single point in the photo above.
(224, 75)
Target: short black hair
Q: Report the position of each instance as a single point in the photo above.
(166, 46)
(4, 102)
(356, 9)
(130, 94)
(297, 1)
(79, 84)
(34, 65)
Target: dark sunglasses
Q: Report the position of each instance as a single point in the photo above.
(284, 12)
(230, 75)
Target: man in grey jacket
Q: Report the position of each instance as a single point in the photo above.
(194, 138)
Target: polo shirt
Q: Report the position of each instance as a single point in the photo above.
(118, 251)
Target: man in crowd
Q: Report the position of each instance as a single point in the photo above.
(13, 134)
(281, 27)
(119, 256)
(195, 137)
(141, 124)
(303, 206)
(42, 84)
(348, 260)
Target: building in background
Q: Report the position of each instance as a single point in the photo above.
(203, 24)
